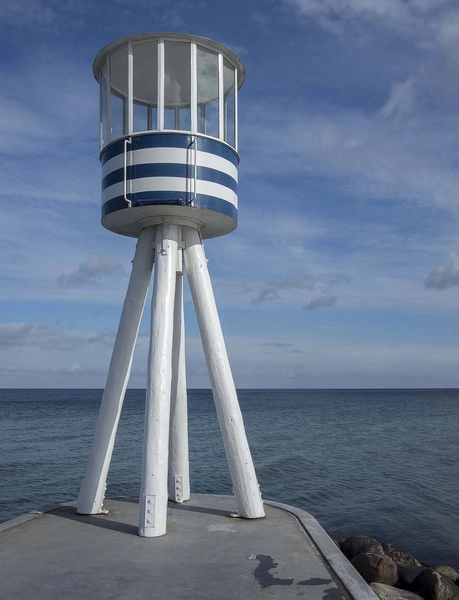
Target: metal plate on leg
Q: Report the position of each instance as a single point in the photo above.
(150, 502)
(179, 488)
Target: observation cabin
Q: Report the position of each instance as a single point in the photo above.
(168, 131)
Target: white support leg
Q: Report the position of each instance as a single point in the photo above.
(179, 471)
(245, 484)
(93, 487)
(153, 491)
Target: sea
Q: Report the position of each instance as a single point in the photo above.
(375, 462)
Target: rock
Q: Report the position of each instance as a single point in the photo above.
(400, 555)
(432, 586)
(336, 538)
(360, 544)
(407, 574)
(376, 568)
(387, 592)
(447, 572)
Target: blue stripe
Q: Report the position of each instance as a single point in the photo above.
(202, 201)
(169, 140)
(169, 170)
(216, 176)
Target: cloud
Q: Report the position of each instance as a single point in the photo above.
(401, 98)
(265, 295)
(54, 15)
(91, 271)
(446, 276)
(17, 335)
(409, 158)
(322, 302)
(284, 347)
(27, 13)
(414, 16)
(273, 288)
(444, 72)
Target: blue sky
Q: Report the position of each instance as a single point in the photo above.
(344, 270)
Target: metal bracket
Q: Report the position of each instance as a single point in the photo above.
(178, 488)
(126, 142)
(150, 502)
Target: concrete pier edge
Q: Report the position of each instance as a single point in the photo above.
(354, 583)
(33, 514)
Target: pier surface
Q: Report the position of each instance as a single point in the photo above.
(206, 555)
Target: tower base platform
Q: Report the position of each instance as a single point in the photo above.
(207, 554)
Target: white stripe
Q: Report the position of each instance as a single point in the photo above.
(207, 159)
(170, 184)
(215, 189)
(170, 155)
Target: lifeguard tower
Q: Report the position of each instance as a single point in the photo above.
(168, 148)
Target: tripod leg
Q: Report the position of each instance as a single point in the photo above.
(246, 489)
(179, 476)
(153, 491)
(93, 487)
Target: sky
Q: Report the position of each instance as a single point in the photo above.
(344, 269)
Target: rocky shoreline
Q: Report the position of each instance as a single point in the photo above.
(393, 574)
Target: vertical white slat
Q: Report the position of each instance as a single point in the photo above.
(130, 89)
(194, 89)
(236, 129)
(221, 100)
(160, 85)
(101, 119)
(109, 104)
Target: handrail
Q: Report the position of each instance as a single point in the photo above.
(194, 142)
(126, 142)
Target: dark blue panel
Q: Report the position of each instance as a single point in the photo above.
(169, 170)
(208, 174)
(215, 147)
(151, 170)
(202, 201)
(169, 140)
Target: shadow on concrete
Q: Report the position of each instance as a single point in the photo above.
(179, 506)
(102, 521)
(107, 521)
(199, 509)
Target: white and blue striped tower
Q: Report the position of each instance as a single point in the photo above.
(168, 141)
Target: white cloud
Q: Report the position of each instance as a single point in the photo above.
(27, 13)
(321, 302)
(372, 156)
(41, 105)
(446, 276)
(412, 16)
(443, 73)
(328, 361)
(401, 97)
(275, 290)
(17, 335)
(90, 271)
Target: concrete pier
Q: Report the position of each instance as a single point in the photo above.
(207, 554)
